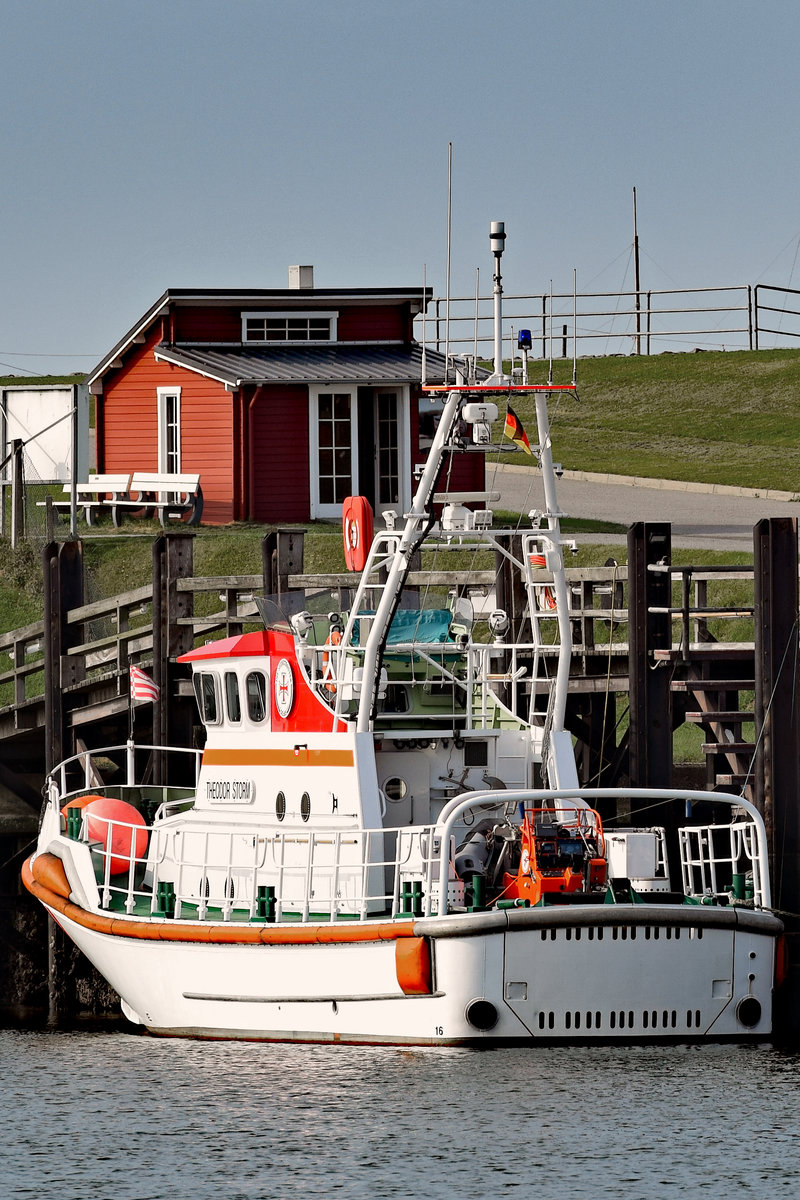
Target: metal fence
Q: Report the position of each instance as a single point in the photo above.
(563, 324)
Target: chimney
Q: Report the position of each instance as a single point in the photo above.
(301, 277)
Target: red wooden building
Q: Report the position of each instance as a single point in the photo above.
(284, 400)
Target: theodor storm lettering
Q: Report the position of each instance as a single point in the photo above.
(230, 791)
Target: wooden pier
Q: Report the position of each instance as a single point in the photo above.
(655, 647)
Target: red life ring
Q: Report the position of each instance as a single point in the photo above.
(357, 531)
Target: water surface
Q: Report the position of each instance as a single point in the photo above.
(126, 1117)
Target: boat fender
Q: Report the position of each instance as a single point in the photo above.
(80, 802)
(357, 531)
(120, 829)
(414, 965)
(781, 959)
(328, 675)
(48, 870)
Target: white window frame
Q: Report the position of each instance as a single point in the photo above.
(321, 511)
(318, 509)
(164, 393)
(269, 314)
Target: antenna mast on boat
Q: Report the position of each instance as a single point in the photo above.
(497, 241)
(424, 308)
(447, 268)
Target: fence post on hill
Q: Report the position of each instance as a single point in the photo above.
(173, 559)
(777, 725)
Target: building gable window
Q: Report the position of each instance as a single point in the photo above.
(286, 328)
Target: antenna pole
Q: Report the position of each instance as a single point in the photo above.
(636, 282)
(424, 310)
(477, 303)
(447, 268)
(550, 369)
(497, 241)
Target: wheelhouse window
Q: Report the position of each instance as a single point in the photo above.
(232, 703)
(256, 691)
(288, 327)
(205, 690)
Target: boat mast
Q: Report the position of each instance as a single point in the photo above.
(420, 516)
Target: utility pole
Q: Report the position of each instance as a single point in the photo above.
(637, 298)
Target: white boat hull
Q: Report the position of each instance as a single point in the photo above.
(641, 972)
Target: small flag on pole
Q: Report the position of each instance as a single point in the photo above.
(143, 688)
(513, 429)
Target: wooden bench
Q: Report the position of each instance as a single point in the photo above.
(99, 492)
(169, 495)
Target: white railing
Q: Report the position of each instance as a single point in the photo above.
(716, 859)
(748, 838)
(60, 783)
(215, 871)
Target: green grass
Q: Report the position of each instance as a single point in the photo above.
(715, 417)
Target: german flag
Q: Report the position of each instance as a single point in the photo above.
(513, 429)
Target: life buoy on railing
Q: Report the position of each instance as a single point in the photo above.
(357, 530)
(328, 673)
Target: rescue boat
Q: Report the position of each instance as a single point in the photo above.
(384, 838)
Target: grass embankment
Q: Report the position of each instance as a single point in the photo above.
(711, 417)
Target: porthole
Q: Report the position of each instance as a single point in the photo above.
(305, 806)
(395, 788)
(280, 806)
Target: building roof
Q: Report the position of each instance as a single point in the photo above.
(234, 365)
(301, 298)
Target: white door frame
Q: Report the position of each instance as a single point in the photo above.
(334, 511)
(318, 509)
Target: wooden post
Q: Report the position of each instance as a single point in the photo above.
(282, 555)
(777, 717)
(63, 590)
(649, 544)
(17, 494)
(173, 559)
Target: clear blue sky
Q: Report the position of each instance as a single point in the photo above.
(178, 143)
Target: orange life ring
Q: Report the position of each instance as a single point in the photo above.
(328, 677)
(357, 530)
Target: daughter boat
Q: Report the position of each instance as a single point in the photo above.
(386, 840)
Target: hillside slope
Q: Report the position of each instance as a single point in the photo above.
(713, 417)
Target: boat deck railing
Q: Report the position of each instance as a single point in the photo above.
(191, 867)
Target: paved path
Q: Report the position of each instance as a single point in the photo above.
(702, 515)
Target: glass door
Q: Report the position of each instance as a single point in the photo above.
(333, 442)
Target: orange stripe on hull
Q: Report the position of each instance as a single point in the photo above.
(302, 756)
(34, 876)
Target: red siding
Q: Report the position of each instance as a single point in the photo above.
(130, 427)
(208, 324)
(382, 323)
(281, 483)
